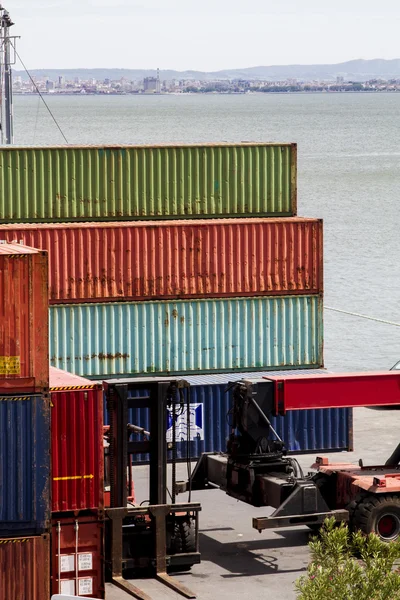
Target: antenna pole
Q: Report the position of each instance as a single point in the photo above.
(7, 59)
(8, 99)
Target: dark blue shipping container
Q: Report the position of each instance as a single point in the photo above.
(304, 431)
(24, 465)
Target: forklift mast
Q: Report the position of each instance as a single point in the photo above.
(160, 394)
(162, 535)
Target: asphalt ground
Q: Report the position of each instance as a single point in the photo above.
(237, 561)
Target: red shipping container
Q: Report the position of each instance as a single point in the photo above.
(76, 443)
(91, 262)
(25, 568)
(24, 322)
(77, 557)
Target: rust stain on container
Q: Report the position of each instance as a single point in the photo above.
(24, 336)
(76, 442)
(25, 568)
(92, 262)
(110, 356)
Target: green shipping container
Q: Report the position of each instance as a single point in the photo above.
(83, 183)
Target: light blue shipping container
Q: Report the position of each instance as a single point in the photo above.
(304, 431)
(24, 465)
(187, 337)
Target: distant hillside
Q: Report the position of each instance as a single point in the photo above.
(355, 70)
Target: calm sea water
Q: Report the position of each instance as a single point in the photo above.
(349, 174)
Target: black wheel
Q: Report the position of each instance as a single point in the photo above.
(184, 537)
(352, 509)
(380, 515)
(183, 541)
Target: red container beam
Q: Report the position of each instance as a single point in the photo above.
(92, 262)
(24, 322)
(76, 443)
(342, 390)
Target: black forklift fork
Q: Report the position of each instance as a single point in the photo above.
(161, 393)
(159, 513)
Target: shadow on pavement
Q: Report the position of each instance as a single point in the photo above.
(248, 558)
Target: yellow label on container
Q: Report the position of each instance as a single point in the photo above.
(10, 365)
(73, 477)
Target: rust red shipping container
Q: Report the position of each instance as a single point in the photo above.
(76, 443)
(92, 262)
(77, 556)
(25, 568)
(24, 336)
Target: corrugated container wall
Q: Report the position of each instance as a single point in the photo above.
(187, 336)
(77, 557)
(178, 259)
(304, 431)
(76, 443)
(25, 568)
(24, 336)
(85, 183)
(24, 465)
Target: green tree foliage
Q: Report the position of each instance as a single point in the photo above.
(350, 566)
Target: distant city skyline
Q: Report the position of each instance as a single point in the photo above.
(206, 36)
(356, 70)
(103, 81)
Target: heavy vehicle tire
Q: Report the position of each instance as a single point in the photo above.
(352, 509)
(378, 514)
(183, 541)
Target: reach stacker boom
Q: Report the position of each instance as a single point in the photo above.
(256, 470)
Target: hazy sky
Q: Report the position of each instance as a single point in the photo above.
(202, 34)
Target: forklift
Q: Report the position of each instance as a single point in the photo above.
(256, 469)
(161, 536)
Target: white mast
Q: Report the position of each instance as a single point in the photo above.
(7, 59)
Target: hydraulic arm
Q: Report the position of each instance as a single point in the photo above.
(256, 470)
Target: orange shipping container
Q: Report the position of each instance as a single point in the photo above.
(25, 568)
(24, 327)
(92, 262)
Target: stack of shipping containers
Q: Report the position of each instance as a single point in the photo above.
(24, 425)
(185, 260)
(77, 490)
(51, 449)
